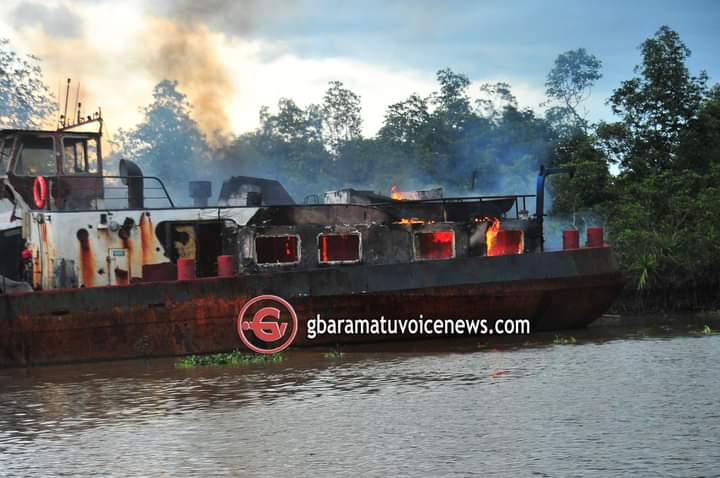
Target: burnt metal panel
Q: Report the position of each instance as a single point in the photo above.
(329, 214)
(353, 196)
(453, 210)
(272, 192)
(458, 210)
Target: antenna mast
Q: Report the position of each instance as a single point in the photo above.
(77, 100)
(67, 96)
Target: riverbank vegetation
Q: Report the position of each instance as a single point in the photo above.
(334, 354)
(235, 357)
(559, 340)
(660, 208)
(650, 175)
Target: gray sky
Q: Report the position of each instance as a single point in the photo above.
(235, 56)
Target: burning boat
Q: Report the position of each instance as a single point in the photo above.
(109, 267)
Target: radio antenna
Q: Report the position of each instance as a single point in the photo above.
(77, 100)
(67, 96)
(58, 100)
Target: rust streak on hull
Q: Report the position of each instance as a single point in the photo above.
(87, 262)
(206, 325)
(146, 239)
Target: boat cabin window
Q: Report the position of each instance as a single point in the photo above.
(434, 245)
(338, 248)
(36, 156)
(80, 155)
(277, 249)
(5, 151)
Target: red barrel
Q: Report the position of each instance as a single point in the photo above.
(571, 239)
(595, 237)
(226, 267)
(185, 269)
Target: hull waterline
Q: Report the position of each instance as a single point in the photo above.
(554, 291)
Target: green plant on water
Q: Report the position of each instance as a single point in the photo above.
(707, 330)
(235, 357)
(646, 264)
(558, 340)
(335, 354)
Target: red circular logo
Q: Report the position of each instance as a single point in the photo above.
(269, 324)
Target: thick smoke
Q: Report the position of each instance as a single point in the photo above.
(238, 18)
(179, 40)
(185, 52)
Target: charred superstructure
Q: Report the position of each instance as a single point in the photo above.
(124, 260)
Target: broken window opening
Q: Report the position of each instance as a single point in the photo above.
(80, 156)
(506, 242)
(339, 248)
(36, 157)
(5, 152)
(277, 249)
(434, 245)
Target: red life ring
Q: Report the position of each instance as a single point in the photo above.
(40, 192)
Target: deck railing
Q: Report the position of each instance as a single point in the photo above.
(80, 193)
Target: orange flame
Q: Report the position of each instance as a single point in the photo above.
(491, 235)
(509, 242)
(395, 193)
(407, 220)
(398, 195)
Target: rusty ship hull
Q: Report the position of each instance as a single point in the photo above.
(108, 267)
(555, 290)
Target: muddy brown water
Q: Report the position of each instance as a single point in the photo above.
(641, 400)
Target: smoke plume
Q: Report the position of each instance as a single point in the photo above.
(185, 52)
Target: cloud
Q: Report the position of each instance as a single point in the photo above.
(227, 71)
(262, 83)
(232, 17)
(58, 21)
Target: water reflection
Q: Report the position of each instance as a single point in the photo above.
(619, 401)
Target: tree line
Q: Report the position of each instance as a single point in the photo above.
(448, 139)
(650, 176)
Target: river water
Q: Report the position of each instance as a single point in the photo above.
(640, 401)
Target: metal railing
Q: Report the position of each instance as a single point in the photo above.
(92, 193)
(454, 200)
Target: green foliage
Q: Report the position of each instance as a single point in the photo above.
(558, 340)
(452, 101)
(406, 123)
(660, 210)
(589, 186)
(168, 142)
(25, 99)
(424, 142)
(334, 354)
(568, 85)
(341, 116)
(498, 96)
(235, 357)
(656, 107)
(699, 145)
(288, 146)
(664, 231)
(707, 330)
